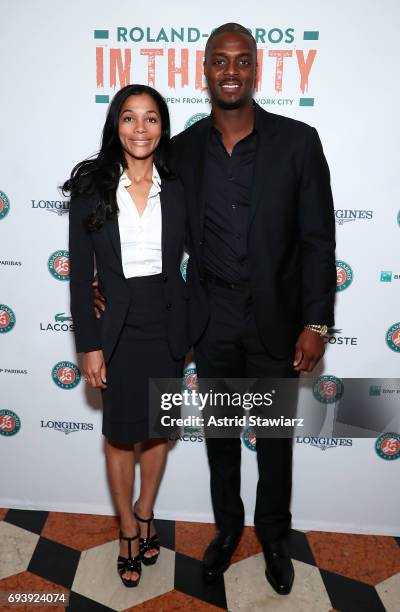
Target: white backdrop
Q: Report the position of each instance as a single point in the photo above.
(55, 58)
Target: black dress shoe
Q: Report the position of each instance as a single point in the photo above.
(279, 570)
(217, 557)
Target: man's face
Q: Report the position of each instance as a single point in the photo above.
(230, 69)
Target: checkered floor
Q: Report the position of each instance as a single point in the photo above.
(76, 554)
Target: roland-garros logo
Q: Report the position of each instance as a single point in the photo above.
(387, 446)
(392, 337)
(4, 205)
(249, 438)
(194, 119)
(7, 319)
(344, 275)
(10, 423)
(66, 375)
(328, 389)
(190, 379)
(184, 264)
(58, 265)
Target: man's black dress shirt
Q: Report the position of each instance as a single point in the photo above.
(228, 192)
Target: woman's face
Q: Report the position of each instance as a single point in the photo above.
(139, 126)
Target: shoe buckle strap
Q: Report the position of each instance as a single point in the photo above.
(142, 520)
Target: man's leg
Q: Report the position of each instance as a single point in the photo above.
(218, 355)
(272, 515)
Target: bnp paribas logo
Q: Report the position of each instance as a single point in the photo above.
(387, 276)
(387, 446)
(328, 389)
(66, 375)
(10, 423)
(344, 275)
(7, 319)
(194, 119)
(393, 337)
(249, 438)
(4, 205)
(58, 264)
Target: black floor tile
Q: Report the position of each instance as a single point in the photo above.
(189, 580)
(32, 520)
(349, 595)
(299, 548)
(166, 533)
(55, 562)
(79, 603)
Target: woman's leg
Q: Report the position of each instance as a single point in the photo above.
(152, 463)
(120, 460)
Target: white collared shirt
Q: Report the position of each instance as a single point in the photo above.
(140, 236)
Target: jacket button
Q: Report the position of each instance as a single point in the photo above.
(201, 243)
(169, 306)
(165, 277)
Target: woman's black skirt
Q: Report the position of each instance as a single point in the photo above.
(142, 352)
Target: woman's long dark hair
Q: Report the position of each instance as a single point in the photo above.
(102, 173)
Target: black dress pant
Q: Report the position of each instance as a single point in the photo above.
(231, 348)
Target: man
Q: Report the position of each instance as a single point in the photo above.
(262, 243)
(261, 276)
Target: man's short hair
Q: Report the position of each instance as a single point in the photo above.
(230, 27)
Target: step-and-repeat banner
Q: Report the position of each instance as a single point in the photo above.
(333, 66)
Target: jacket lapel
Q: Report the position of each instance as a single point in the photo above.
(198, 168)
(266, 128)
(165, 214)
(113, 233)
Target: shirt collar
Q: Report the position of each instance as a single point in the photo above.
(256, 109)
(125, 181)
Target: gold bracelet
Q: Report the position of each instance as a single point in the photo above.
(322, 330)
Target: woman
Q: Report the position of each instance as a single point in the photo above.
(127, 213)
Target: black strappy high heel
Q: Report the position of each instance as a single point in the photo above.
(148, 543)
(129, 564)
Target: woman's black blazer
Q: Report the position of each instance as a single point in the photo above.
(103, 247)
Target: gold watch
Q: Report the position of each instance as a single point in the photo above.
(322, 330)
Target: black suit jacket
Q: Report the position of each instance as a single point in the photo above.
(104, 245)
(290, 233)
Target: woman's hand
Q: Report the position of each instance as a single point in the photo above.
(94, 368)
(98, 298)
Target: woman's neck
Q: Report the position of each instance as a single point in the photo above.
(139, 170)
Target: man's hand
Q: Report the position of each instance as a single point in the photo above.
(94, 369)
(98, 298)
(309, 350)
